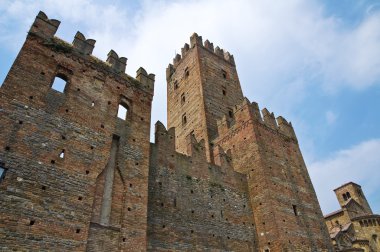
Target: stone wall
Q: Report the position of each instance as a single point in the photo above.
(285, 206)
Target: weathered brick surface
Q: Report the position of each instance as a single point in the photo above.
(194, 205)
(48, 202)
(262, 149)
(223, 179)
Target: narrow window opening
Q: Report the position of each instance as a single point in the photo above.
(224, 74)
(184, 119)
(348, 195)
(175, 85)
(295, 210)
(183, 99)
(59, 83)
(187, 73)
(77, 231)
(175, 202)
(224, 92)
(31, 223)
(92, 104)
(62, 155)
(230, 114)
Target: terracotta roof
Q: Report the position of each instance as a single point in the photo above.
(333, 213)
(347, 184)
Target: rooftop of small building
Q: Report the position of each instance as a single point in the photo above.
(333, 213)
(346, 184)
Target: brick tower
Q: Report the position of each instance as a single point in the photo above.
(74, 175)
(205, 98)
(203, 86)
(352, 191)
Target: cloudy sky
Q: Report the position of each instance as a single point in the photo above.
(315, 62)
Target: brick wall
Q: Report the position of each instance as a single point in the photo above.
(49, 202)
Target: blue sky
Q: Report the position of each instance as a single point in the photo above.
(317, 63)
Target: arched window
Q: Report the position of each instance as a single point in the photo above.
(59, 83)
(183, 99)
(344, 196)
(124, 109)
(184, 119)
(348, 195)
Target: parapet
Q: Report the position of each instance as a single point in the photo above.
(86, 46)
(145, 79)
(43, 26)
(119, 64)
(195, 148)
(46, 28)
(163, 136)
(247, 111)
(196, 40)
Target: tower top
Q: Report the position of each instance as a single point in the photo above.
(346, 184)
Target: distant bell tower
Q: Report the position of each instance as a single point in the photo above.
(353, 191)
(202, 87)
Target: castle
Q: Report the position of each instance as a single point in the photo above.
(354, 227)
(75, 177)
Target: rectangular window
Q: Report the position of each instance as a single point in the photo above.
(59, 83)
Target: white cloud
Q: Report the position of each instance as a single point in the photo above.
(330, 117)
(358, 164)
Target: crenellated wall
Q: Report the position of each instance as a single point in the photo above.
(285, 207)
(208, 80)
(76, 175)
(195, 205)
(223, 177)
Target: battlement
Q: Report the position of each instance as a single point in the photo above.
(247, 111)
(196, 40)
(45, 28)
(196, 157)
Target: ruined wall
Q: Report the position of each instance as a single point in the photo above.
(58, 148)
(286, 210)
(194, 205)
